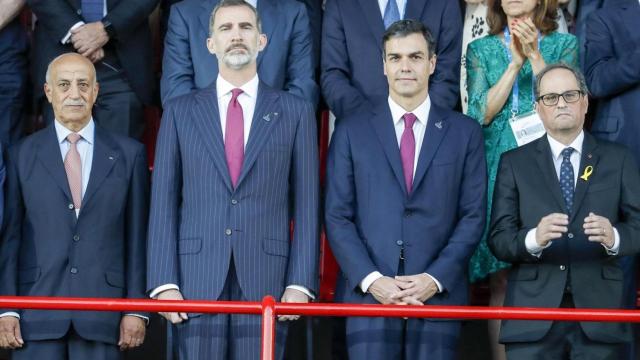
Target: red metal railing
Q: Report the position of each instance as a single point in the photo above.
(269, 309)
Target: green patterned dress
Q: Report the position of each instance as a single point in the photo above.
(486, 62)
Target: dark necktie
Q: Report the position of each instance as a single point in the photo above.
(566, 178)
(408, 150)
(391, 13)
(234, 137)
(92, 10)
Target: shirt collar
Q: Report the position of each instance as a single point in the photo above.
(250, 88)
(87, 132)
(557, 147)
(421, 112)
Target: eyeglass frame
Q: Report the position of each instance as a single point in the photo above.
(541, 97)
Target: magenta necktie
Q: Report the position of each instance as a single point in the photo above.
(408, 150)
(73, 168)
(234, 137)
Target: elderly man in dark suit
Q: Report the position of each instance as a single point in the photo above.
(76, 213)
(566, 208)
(115, 36)
(236, 162)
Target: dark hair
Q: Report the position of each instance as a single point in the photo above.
(544, 16)
(582, 84)
(230, 3)
(404, 28)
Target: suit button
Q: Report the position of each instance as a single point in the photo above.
(570, 235)
(399, 242)
(234, 202)
(227, 232)
(74, 270)
(562, 267)
(76, 237)
(70, 206)
(408, 213)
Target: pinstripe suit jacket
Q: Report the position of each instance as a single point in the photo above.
(198, 220)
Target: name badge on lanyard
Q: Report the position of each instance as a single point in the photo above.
(525, 127)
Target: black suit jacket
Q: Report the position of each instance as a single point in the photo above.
(47, 251)
(526, 190)
(132, 44)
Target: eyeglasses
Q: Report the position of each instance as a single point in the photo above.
(569, 97)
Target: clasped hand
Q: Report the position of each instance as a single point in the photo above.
(403, 290)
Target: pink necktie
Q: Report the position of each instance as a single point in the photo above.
(73, 167)
(234, 137)
(408, 150)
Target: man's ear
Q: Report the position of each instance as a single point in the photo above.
(211, 45)
(48, 92)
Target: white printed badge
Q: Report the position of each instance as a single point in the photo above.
(526, 127)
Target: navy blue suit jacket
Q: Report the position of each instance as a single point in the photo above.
(287, 63)
(198, 220)
(351, 59)
(47, 251)
(613, 73)
(369, 217)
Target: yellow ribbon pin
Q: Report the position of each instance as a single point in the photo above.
(587, 172)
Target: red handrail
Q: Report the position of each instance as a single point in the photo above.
(269, 309)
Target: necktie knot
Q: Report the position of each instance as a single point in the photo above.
(566, 153)
(73, 138)
(409, 120)
(235, 93)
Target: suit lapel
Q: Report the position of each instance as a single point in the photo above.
(544, 159)
(589, 158)
(371, 12)
(105, 155)
(207, 120)
(49, 155)
(436, 130)
(382, 123)
(264, 119)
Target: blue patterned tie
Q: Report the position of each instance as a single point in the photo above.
(92, 10)
(566, 178)
(391, 13)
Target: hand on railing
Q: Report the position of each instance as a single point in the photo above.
(292, 296)
(174, 317)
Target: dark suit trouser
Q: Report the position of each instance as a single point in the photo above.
(117, 109)
(224, 336)
(565, 340)
(69, 347)
(387, 338)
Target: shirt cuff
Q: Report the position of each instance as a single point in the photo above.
(10, 313)
(436, 281)
(369, 279)
(154, 294)
(532, 245)
(616, 244)
(66, 38)
(146, 319)
(302, 289)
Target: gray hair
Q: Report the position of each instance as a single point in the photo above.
(582, 83)
(230, 3)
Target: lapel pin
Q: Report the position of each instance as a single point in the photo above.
(439, 124)
(589, 156)
(267, 117)
(587, 172)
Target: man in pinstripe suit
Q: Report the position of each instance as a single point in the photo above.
(236, 162)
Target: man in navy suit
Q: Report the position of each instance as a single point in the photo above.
(236, 162)
(405, 205)
(287, 62)
(75, 226)
(351, 73)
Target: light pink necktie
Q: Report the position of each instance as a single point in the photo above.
(408, 150)
(73, 167)
(234, 137)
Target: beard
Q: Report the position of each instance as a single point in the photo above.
(236, 59)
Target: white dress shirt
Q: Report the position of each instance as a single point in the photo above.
(556, 151)
(419, 126)
(85, 149)
(401, 7)
(247, 100)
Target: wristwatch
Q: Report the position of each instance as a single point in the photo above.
(108, 27)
